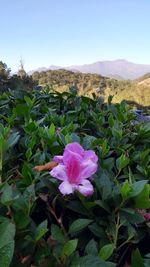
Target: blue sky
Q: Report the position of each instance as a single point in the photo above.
(69, 32)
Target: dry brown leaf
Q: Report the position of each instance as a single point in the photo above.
(46, 167)
(44, 197)
(25, 259)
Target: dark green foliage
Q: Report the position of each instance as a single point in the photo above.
(40, 227)
(20, 81)
(4, 76)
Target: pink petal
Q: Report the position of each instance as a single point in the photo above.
(68, 156)
(66, 188)
(89, 154)
(58, 159)
(86, 188)
(75, 148)
(59, 172)
(73, 169)
(147, 216)
(88, 168)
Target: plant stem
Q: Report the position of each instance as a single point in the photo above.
(117, 229)
(59, 220)
(125, 242)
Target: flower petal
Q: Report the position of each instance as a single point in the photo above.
(86, 188)
(59, 172)
(88, 168)
(147, 216)
(73, 169)
(58, 159)
(75, 147)
(72, 158)
(68, 156)
(66, 188)
(90, 154)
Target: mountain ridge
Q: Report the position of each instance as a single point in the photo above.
(121, 68)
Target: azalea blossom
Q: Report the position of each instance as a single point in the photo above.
(147, 216)
(74, 168)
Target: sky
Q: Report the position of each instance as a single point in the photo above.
(73, 32)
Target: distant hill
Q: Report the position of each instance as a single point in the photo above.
(119, 69)
(87, 84)
(62, 79)
(144, 77)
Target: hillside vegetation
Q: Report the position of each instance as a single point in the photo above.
(86, 84)
(60, 80)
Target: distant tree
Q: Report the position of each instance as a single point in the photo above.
(36, 76)
(4, 76)
(4, 71)
(21, 72)
(24, 83)
(102, 86)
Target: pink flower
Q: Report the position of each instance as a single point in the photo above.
(147, 216)
(74, 168)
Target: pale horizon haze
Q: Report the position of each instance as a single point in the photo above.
(73, 32)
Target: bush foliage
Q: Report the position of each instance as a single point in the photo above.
(38, 226)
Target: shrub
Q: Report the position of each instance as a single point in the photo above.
(41, 227)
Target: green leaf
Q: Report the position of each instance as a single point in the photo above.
(136, 259)
(28, 153)
(41, 230)
(132, 216)
(108, 164)
(69, 248)
(57, 234)
(137, 187)
(106, 251)
(92, 261)
(52, 130)
(3, 144)
(122, 162)
(68, 138)
(125, 189)
(13, 139)
(6, 254)
(103, 184)
(104, 148)
(91, 248)
(75, 138)
(142, 200)
(7, 194)
(146, 262)
(87, 141)
(22, 110)
(7, 233)
(103, 205)
(79, 225)
(77, 207)
(97, 230)
(21, 219)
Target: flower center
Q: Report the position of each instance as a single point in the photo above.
(73, 171)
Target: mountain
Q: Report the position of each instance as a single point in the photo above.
(116, 68)
(121, 67)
